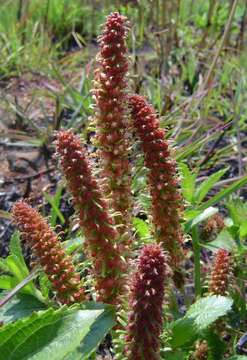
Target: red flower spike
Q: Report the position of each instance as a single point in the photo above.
(49, 253)
(146, 300)
(219, 278)
(101, 235)
(112, 135)
(163, 182)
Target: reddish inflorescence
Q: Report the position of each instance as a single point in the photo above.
(163, 180)
(219, 278)
(112, 136)
(201, 352)
(49, 253)
(98, 227)
(146, 299)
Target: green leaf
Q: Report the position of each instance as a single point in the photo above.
(224, 240)
(54, 201)
(203, 189)
(55, 334)
(73, 244)
(20, 306)
(238, 357)
(183, 331)
(16, 266)
(142, 228)
(207, 310)
(238, 211)
(198, 318)
(207, 213)
(243, 230)
(15, 248)
(188, 181)
(224, 193)
(216, 346)
(7, 282)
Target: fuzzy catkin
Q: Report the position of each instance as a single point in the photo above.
(100, 233)
(219, 278)
(162, 177)
(146, 300)
(47, 249)
(111, 121)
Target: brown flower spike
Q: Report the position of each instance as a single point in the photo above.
(163, 180)
(146, 300)
(98, 227)
(219, 278)
(49, 253)
(109, 94)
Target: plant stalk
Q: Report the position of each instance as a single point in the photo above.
(197, 265)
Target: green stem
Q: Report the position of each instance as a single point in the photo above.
(197, 265)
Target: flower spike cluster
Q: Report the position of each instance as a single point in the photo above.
(49, 253)
(219, 279)
(163, 181)
(98, 227)
(146, 300)
(109, 94)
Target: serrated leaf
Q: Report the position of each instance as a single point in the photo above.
(20, 306)
(203, 189)
(207, 310)
(55, 334)
(188, 180)
(198, 318)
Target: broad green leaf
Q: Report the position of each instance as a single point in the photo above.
(207, 310)
(238, 357)
(198, 318)
(142, 228)
(224, 240)
(203, 189)
(20, 306)
(217, 347)
(55, 334)
(183, 331)
(224, 193)
(187, 182)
